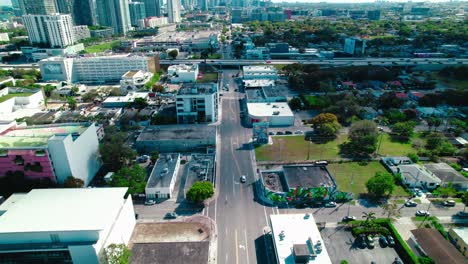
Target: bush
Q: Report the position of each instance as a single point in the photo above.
(343, 262)
(414, 157)
(455, 166)
(200, 191)
(356, 231)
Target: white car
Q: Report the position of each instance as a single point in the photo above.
(422, 213)
(243, 179)
(150, 202)
(299, 132)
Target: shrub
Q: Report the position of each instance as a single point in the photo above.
(356, 231)
(344, 262)
(414, 157)
(455, 166)
(439, 228)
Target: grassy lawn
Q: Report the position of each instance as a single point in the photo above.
(11, 95)
(399, 201)
(290, 148)
(359, 174)
(100, 47)
(279, 67)
(450, 83)
(208, 77)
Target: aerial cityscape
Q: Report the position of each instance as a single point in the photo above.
(233, 132)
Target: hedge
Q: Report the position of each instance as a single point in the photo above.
(402, 248)
(356, 231)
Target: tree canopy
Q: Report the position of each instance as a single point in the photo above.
(72, 182)
(362, 138)
(118, 254)
(114, 152)
(200, 191)
(131, 177)
(381, 184)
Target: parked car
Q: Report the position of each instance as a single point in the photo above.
(299, 132)
(462, 214)
(288, 133)
(330, 204)
(279, 133)
(370, 241)
(361, 241)
(150, 202)
(243, 179)
(349, 218)
(383, 241)
(411, 204)
(391, 241)
(271, 133)
(422, 213)
(170, 216)
(449, 203)
(321, 162)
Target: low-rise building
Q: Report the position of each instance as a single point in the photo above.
(81, 32)
(176, 138)
(459, 237)
(267, 94)
(162, 179)
(355, 46)
(276, 114)
(4, 37)
(64, 225)
(134, 80)
(431, 243)
(37, 54)
(19, 102)
(260, 72)
(122, 101)
(297, 239)
(447, 175)
(183, 73)
(197, 103)
(259, 53)
(52, 152)
(413, 175)
(101, 32)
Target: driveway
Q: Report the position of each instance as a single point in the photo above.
(340, 246)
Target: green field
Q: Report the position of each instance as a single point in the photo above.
(352, 176)
(100, 47)
(208, 77)
(290, 148)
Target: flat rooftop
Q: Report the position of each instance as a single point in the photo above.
(37, 136)
(183, 67)
(307, 176)
(255, 94)
(259, 68)
(130, 74)
(46, 210)
(181, 36)
(177, 132)
(258, 83)
(444, 172)
(417, 173)
(297, 229)
(164, 170)
(198, 88)
(173, 252)
(269, 109)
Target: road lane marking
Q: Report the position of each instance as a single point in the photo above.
(246, 246)
(237, 248)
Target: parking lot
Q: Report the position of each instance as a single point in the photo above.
(341, 245)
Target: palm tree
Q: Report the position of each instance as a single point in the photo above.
(465, 200)
(391, 210)
(370, 216)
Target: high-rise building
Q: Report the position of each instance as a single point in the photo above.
(173, 11)
(16, 5)
(373, 14)
(38, 7)
(54, 30)
(115, 14)
(137, 12)
(355, 46)
(82, 11)
(203, 4)
(153, 8)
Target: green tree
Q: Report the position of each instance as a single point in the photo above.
(381, 184)
(89, 96)
(403, 131)
(434, 140)
(131, 177)
(326, 125)
(295, 103)
(71, 103)
(200, 191)
(72, 182)
(118, 254)
(157, 88)
(154, 156)
(115, 153)
(173, 54)
(369, 217)
(139, 103)
(362, 138)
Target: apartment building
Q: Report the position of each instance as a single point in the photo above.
(183, 73)
(197, 103)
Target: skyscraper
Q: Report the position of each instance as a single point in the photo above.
(137, 12)
(173, 11)
(38, 7)
(115, 14)
(16, 5)
(82, 11)
(54, 30)
(153, 8)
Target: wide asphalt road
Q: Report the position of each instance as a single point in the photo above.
(240, 220)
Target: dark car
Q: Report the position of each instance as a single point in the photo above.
(370, 242)
(361, 241)
(349, 218)
(288, 133)
(462, 214)
(279, 133)
(391, 241)
(383, 241)
(170, 216)
(411, 204)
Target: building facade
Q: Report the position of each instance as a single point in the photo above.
(137, 12)
(55, 30)
(355, 46)
(197, 103)
(53, 152)
(38, 7)
(153, 8)
(260, 72)
(173, 11)
(162, 179)
(133, 81)
(81, 32)
(64, 225)
(114, 14)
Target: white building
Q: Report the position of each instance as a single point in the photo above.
(260, 72)
(95, 69)
(297, 239)
(122, 101)
(163, 177)
(413, 175)
(197, 103)
(134, 80)
(152, 22)
(4, 37)
(173, 11)
(276, 114)
(64, 225)
(26, 102)
(183, 73)
(55, 30)
(81, 32)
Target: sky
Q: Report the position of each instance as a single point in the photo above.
(353, 1)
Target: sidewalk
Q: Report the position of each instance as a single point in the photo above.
(404, 225)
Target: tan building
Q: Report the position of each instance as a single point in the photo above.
(459, 237)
